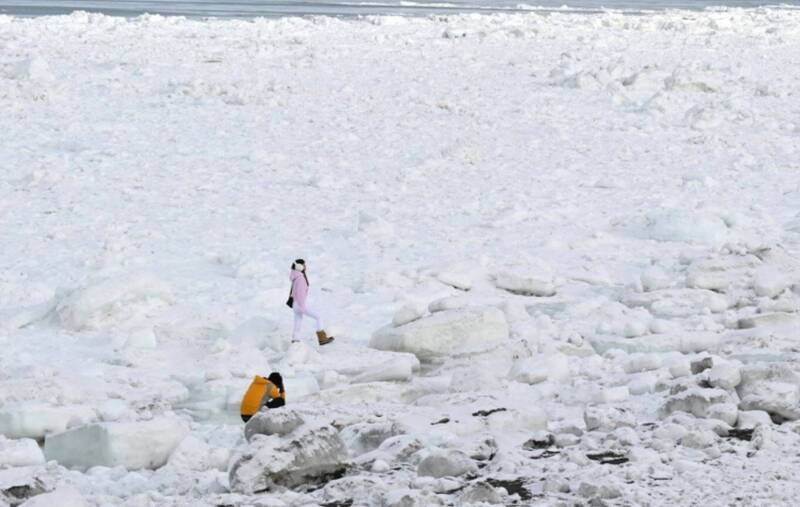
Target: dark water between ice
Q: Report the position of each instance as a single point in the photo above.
(250, 8)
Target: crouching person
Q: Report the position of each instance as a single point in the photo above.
(263, 392)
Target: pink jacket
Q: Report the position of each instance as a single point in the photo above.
(299, 290)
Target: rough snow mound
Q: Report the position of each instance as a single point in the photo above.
(128, 301)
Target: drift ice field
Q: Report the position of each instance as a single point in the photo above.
(560, 255)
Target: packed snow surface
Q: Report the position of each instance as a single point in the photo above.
(560, 255)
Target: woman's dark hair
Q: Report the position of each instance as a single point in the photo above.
(303, 262)
(276, 379)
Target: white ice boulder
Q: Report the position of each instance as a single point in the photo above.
(724, 376)
(306, 456)
(364, 437)
(113, 301)
(726, 412)
(612, 394)
(398, 369)
(524, 420)
(134, 445)
(61, 497)
(541, 367)
(607, 419)
(409, 312)
(749, 419)
(688, 226)
(636, 363)
(447, 303)
(33, 420)
(540, 283)
(20, 453)
(280, 421)
(446, 334)
(446, 463)
(459, 277)
(695, 401)
(771, 387)
(770, 283)
(719, 281)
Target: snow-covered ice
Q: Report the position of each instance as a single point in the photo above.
(560, 253)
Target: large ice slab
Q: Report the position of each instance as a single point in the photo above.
(446, 333)
(134, 445)
(33, 420)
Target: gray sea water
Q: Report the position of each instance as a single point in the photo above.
(251, 8)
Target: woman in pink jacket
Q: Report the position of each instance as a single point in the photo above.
(298, 297)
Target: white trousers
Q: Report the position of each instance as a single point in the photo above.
(298, 321)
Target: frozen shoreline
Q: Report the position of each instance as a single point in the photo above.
(246, 10)
(561, 214)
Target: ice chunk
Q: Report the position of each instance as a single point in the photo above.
(719, 281)
(446, 334)
(19, 484)
(524, 420)
(448, 303)
(460, 277)
(699, 439)
(135, 445)
(480, 493)
(770, 283)
(643, 383)
(726, 412)
(399, 368)
(749, 419)
(695, 401)
(364, 437)
(612, 395)
(607, 419)
(280, 421)
(770, 319)
(446, 463)
(685, 342)
(672, 303)
(689, 226)
(636, 363)
(540, 283)
(34, 420)
(541, 367)
(724, 376)
(62, 497)
(409, 312)
(308, 455)
(20, 453)
(772, 387)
